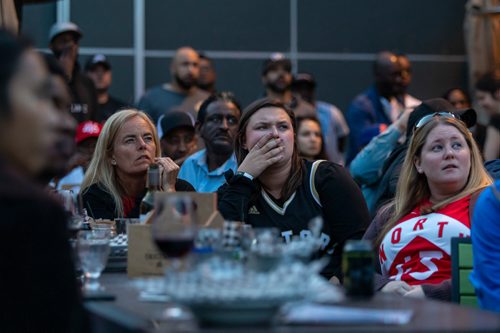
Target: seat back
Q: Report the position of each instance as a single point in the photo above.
(461, 260)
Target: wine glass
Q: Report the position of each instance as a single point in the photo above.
(93, 252)
(174, 232)
(174, 228)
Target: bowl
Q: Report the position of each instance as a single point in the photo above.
(236, 313)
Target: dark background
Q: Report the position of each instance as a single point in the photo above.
(348, 33)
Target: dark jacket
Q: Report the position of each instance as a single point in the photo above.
(365, 110)
(101, 205)
(37, 280)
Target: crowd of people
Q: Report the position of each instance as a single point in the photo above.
(403, 173)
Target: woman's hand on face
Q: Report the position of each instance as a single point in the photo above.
(267, 151)
(397, 287)
(168, 171)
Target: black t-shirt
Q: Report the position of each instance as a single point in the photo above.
(104, 111)
(326, 190)
(83, 97)
(100, 204)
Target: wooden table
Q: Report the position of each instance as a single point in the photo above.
(127, 314)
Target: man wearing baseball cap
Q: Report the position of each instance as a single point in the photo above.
(277, 79)
(333, 124)
(64, 38)
(98, 69)
(86, 137)
(178, 140)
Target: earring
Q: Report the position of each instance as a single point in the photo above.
(113, 162)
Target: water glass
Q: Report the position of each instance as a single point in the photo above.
(93, 251)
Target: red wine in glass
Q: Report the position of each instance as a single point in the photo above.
(172, 247)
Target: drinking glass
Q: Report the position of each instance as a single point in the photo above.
(174, 228)
(174, 232)
(75, 218)
(93, 251)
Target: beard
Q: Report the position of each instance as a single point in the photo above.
(184, 84)
(278, 87)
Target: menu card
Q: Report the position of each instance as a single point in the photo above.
(144, 259)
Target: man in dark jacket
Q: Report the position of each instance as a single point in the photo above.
(64, 42)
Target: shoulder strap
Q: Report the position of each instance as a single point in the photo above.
(312, 183)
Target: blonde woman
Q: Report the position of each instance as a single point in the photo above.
(441, 175)
(115, 181)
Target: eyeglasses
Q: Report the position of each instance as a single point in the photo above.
(426, 119)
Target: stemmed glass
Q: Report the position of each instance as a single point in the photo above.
(174, 232)
(93, 252)
(174, 228)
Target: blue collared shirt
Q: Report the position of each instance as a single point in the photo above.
(195, 171)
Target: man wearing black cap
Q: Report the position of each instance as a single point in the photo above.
(179, 139)
(64, 40)
(98, 69)
(333, 125)
(277, 79)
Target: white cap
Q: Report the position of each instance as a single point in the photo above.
(60, 27)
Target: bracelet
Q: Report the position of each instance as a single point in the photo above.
(244, 174)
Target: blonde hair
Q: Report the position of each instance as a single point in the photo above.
(413, 187)
(100, 170)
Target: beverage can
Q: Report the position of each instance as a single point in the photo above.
(358, 269)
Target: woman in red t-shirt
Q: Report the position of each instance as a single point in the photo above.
(441, 172)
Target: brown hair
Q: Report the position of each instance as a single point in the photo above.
(322, 153)
(297, 168)
(412, 187)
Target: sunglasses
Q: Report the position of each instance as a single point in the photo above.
(426, 119)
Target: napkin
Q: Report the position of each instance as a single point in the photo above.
(310, 313)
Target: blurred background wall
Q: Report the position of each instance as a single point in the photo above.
(335, 40)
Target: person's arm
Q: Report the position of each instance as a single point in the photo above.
(341, 127)
(344, 209)
(99, 204)
(183, 186)
(358, 118)
(234, 196)
(372, 234)
(492, 144)
(441, 291)
(367, 166)
(486, 251)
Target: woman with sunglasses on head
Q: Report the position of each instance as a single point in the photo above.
(274, 187)
(442, 174)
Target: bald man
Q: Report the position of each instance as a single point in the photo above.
(383, 102)
(181, 92)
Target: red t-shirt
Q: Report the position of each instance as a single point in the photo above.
(417, 249)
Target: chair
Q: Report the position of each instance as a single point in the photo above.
(461, 266)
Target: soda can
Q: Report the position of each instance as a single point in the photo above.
(358, 269)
